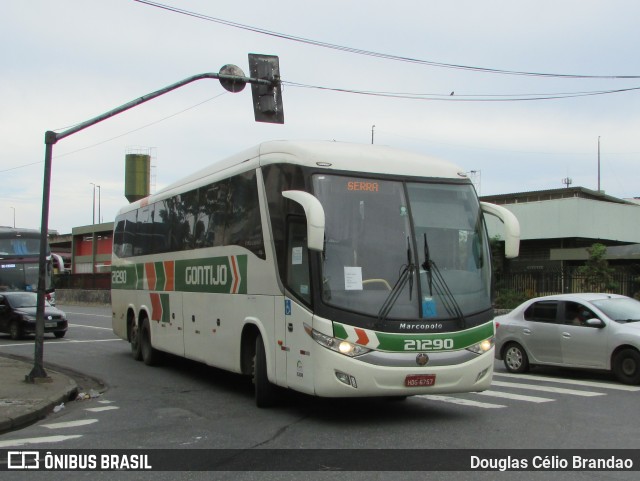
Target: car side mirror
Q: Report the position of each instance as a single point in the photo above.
(595, 322)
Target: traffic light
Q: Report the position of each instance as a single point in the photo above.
(267, 99)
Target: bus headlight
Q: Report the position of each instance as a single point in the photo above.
(482, 346)
(338, 345)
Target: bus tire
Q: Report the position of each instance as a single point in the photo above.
(150, 355)
(265, 392)
(15, 331)
(134, 337)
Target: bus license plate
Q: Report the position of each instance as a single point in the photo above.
(420, 380)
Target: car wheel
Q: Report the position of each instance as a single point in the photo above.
(626, 366)
(15, 330)
(136, 352)
(265, 392)
(150, 355)
(515, 358)
(59, 334)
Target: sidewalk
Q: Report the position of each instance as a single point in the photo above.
(22, 403)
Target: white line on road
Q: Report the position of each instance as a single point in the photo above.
(557, 390)
(104, 408)
(70, 424)
(603, 385)
(516, 397)
(60, 341)
(44, 439)
(91, 327)
(87, 314)
(462, 402)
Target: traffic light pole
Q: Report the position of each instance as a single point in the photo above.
(232, 79)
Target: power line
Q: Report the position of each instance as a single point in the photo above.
(117, 136)
(464, 98)
(370, 53)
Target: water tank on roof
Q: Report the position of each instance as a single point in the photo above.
(137, 177)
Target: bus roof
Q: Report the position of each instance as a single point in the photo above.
(12, 232)
(336, 156)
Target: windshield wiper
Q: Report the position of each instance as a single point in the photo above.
(436, 282)
(406, 275)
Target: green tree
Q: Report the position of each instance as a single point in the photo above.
(598, 276)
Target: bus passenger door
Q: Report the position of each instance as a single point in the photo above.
(298, 344)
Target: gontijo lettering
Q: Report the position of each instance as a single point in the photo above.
(208, 275)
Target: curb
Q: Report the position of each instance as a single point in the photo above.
(40, 410)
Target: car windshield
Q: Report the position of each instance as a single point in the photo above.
(20, 300)
(620, 309)
(380, 235)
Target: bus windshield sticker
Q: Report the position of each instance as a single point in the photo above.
(352, 278)
(296, 256)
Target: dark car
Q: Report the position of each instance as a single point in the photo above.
(18, 315)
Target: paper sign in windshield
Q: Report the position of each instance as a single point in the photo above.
(353, 278)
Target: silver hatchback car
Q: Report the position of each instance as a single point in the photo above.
(588, 331)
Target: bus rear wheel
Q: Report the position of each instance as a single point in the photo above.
(265, 392)
(150, 355)
(134, 338)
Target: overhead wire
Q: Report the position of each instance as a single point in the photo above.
(370, 53)
(118, 136)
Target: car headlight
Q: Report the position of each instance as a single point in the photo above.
(338, 345)
(27, 318)
(482, 346)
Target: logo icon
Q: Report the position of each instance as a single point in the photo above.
(23, 460)
(422, 359)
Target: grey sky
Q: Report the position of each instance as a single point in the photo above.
(67, 61)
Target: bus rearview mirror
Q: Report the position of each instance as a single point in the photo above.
(315, 217)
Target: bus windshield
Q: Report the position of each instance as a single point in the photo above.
(417, 248)
(19, 263)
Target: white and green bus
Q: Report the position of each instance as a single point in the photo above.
(333, 269)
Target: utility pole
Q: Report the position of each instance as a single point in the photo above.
(266, 91)
(93, 212)
(372, 127)
(598, 163)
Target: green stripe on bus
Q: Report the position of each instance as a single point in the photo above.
(447, 341)
(224, 274)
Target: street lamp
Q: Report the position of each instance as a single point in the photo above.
(14, 216)
(99, 221)
(266, 90)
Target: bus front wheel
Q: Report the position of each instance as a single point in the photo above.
(265, 392)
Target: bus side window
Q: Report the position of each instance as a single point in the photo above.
(298, 260)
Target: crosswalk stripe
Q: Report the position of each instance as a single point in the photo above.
(516, 397)
(44, 439)
(70, 424)
(460, 401)
(602, 385)
(104, 408)
(535, 387)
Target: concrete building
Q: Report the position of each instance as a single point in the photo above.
(558, 226)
